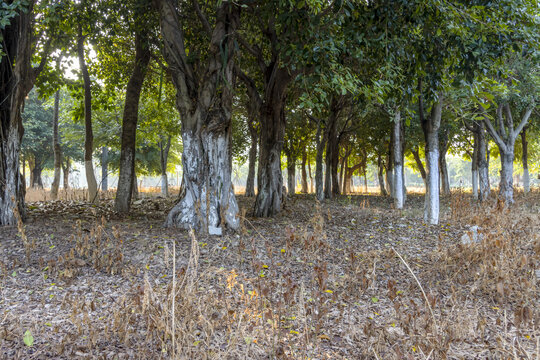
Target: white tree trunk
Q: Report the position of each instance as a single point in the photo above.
(209, 200)
(475, 184)
(164, 185)
(431, 207)
(506, 185)
(526, 180)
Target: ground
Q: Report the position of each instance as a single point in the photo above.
(349, 278)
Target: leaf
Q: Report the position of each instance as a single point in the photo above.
(375, 299)
(28, 338)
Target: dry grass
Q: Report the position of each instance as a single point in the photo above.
(305, 291)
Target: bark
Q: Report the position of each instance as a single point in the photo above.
(250, 182)
(122, 201)
(66, 168)
(398, 162)
(430, 127)
(524, 160)
(254, 108)
(164, 148)
(505, 137)
(57, 151)
(88, 134)
(135, 188)
(17, 77)
(483, 163)
(104, 168)
(319, 163)
(304, 189)
(443, 149)
(347, 181)
(204, 101)
(474, 166)
(291, 175)
(37, 181)
(380, 175)
(419, 164)
(331, 184)
(311, 183)
(389, 175)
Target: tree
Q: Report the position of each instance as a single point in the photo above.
(204, 101)
(17, 76)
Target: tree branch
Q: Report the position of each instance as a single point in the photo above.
(491, 130)
(523, 122)
(202, 18)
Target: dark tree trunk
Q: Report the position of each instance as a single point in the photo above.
(17, 78)
(104, 168)
(445, 180)
(164, 147)
(304, 173)
(57, 151)
(524, 160)
(135, 188)
(389, 174)
(88, 134)
(252, 160)
(331, 184)
(269, 177)
(380, 175)
(311, 183)
(319, 162)
(204, 101)
(474, 165)
(122, 201)
(419, 164)
(291, 173)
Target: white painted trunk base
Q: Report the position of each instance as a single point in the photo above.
(431, 205)
(209, 200)
(164, 185)
(526, 180)
(475, 184)
(398, 187)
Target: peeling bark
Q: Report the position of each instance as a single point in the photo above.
(205, 105)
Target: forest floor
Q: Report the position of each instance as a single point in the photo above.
(348, 279)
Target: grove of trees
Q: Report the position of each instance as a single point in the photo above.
(325, 88)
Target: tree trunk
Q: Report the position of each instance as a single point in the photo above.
(88, 134)
(269, 178)
(205, 105)
(311, 183)
(122, 201)
(164, 156)
(380, 174)
(319, 163)
(505, 138)
(419, 164)
(37, 181)
(291, 174)
(304, 189)
(430, 127)
(250, 182)
(65, 170)
(445, 180)
(331, 184)
(104, 168)
(135, 188)
(17, 78)
(398, 162)
(56, 148)
(524, 160)
(474, 166)
(506, 185)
